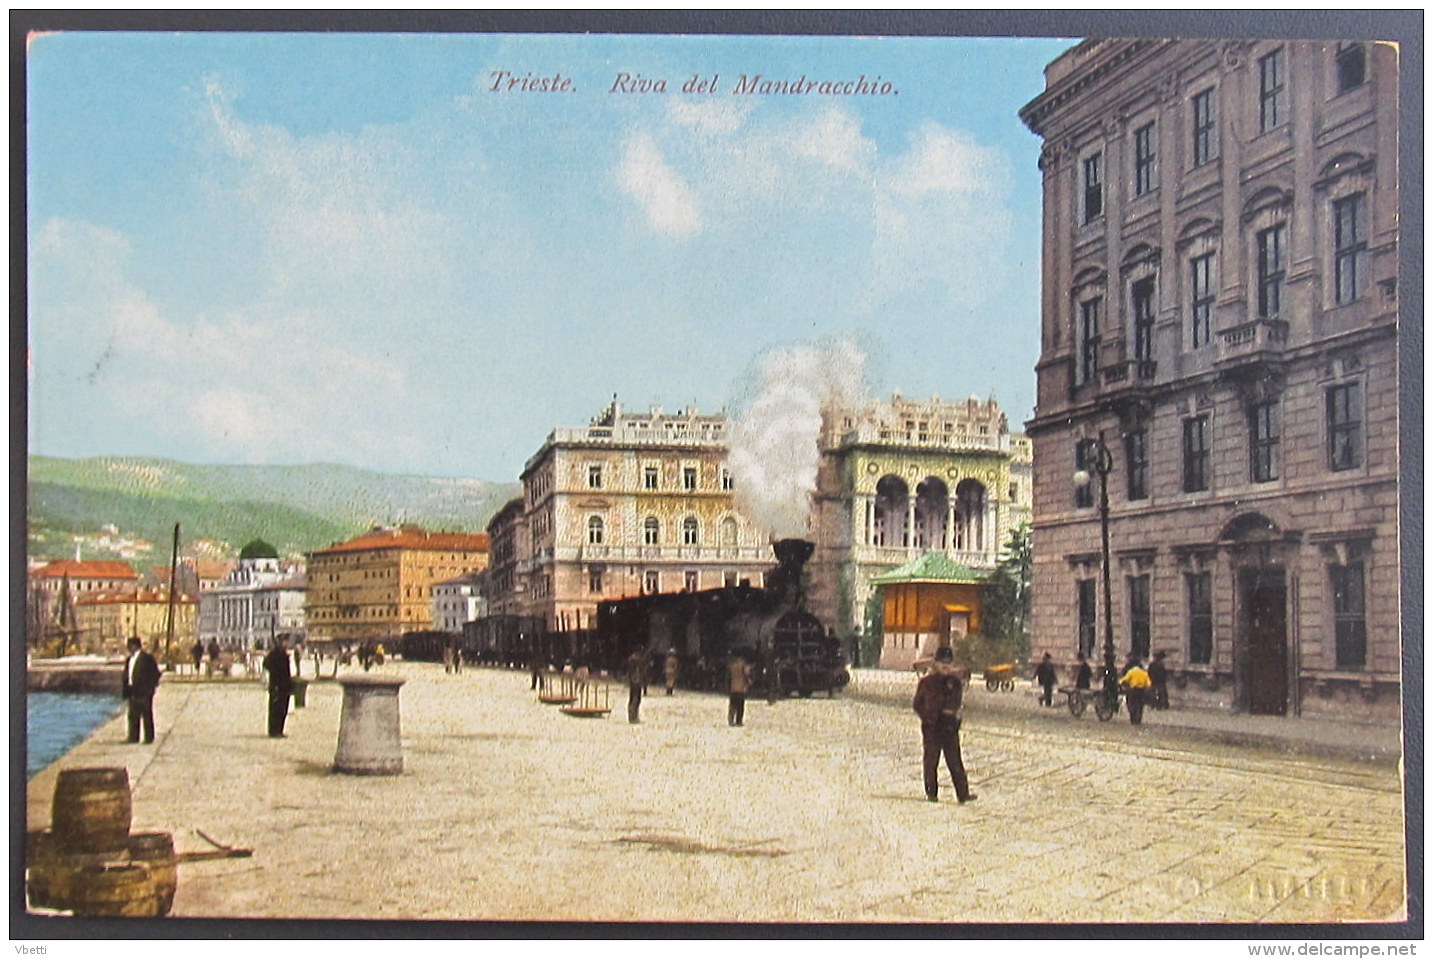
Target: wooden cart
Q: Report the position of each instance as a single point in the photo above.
(1000, 677)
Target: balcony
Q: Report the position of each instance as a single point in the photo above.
(642, 554)
(1125, 372)
(1253, 343)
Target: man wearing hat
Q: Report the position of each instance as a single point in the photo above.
(141, 679)
(938, 703)
(281, 686)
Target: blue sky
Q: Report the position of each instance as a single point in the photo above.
(292, 248)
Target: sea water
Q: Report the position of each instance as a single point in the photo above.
(55, 723)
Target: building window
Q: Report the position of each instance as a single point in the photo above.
(1270, 245)
(1273, 105)
(1345, 426)
(651, 531)
(689, 478)
(690, 531)
(1196, 453)
(1144, 159)
(1203, 107)
(1085, 602)
(1352, 63)
(1137, 464)
(1085, 463)
(1201, 617)
(1094, 189)
(1350, 248)
(594, 581)
(594, 530)
(1201, 298)
(689, 580)
(1350, 639)
(726, 482)
(652, 581)
(1089, 340)
(649, 477)
(594, 476)
(1139, 616)
(1142, 296)
(1264, 442)
(729, 578)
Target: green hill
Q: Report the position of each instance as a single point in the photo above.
(297, 508)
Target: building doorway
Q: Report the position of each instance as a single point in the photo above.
(1263, 595)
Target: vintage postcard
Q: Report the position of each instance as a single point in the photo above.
(944, 477)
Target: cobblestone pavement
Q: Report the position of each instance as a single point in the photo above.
(811, 812)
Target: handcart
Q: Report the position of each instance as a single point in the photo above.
(1000, 677)
(1106, 705)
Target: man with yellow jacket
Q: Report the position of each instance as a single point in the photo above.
(1136, 685)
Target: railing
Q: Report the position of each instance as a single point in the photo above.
(1261, 338)
(900, 555)
(928, 439)
(1129, 371)
(590, 553)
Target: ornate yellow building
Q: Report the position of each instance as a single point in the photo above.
(379, 585)
(903, 478)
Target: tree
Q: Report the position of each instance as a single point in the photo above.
(1007, 597)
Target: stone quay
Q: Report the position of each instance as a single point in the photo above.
(813, 812)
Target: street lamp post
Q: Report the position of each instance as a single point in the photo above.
(1094, 452)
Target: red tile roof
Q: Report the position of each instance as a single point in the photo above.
(86, 569)
(410, 539)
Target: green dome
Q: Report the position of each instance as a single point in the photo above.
(258, 549)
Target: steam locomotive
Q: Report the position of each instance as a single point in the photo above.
(769, 626)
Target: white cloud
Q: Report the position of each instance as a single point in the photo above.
(709, 117)
(338, 209)
(256, 385)
(645, 176)
(833, 137)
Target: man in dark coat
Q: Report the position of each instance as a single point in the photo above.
(636, 683)
(198, 653)
(1083, 673)
(141, 679)
(281, 686)
(937, 702)
(1045, 676)
(1159, 682)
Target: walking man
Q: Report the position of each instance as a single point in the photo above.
(636, 681)
(1045, 676)
(281, 686)
(1136, 683)
(938, 703)
(198, 653)
(1159, 682)
(738, 685)
(1083, 673)
(141, 679)
(669, 670)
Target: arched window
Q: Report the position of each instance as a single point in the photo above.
(932, 504)
(651, 531)
(728, 532)
(594, 530)
(970, 516)
(889, 521)
(690, 531)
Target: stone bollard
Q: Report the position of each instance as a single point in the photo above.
(368, 731)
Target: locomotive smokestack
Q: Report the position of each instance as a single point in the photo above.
(792, 554)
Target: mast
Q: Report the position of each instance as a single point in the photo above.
(173, 577)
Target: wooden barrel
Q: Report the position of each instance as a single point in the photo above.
(91, 810)
(49, 870)
(118, 890)
(156, 850)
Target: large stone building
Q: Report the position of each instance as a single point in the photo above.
(1220, 307)
(378, 586)
(256, 602)
(903, 478)
(108, 620)
(632, 503)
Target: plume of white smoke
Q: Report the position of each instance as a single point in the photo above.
(775, 451)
